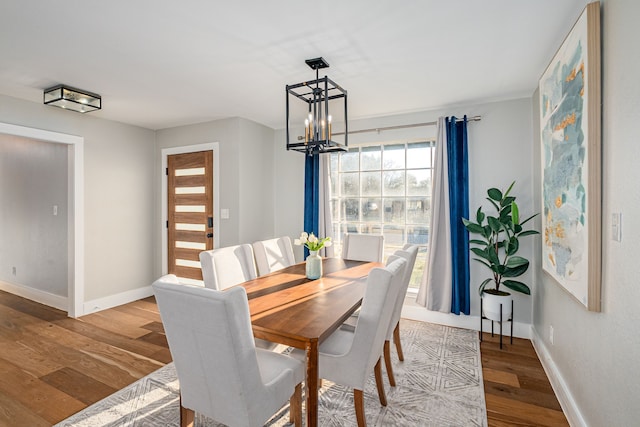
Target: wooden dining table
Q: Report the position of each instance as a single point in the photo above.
(288, 308)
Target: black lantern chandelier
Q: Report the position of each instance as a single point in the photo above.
(324, 104)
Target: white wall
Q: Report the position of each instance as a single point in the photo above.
(500, 151)
(595, 358)
(33, 179)
(119, 194)
(257, 207)
(246, 177)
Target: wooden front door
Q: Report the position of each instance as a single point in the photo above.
(190, 216)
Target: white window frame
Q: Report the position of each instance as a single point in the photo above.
(389, 248)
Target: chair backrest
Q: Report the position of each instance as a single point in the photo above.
(225, 267)
(409, 254)
(211, 343)
(363, 247)
(383, 285)
(273, 254)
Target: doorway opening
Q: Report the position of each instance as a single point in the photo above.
(75, 206)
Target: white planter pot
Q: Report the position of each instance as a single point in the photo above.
(491, 306)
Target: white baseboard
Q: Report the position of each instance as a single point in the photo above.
(111, 301)
(416, 312)
(37, 295)
(559, 385)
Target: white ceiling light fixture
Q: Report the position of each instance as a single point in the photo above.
(73, 99)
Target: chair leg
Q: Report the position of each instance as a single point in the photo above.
(187, 416)
(387, 363)
(380, 383)
(295, 406)
(396, 339)
(358, 399)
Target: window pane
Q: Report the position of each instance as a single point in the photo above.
(419, 182)
(418, 210)
(371, 210)
(349, 209)
(370, 158)
(350, 228)
(418, 268)
(393, 238)
(394, 211)
(333, 165)
(333, 183)
(349, 184)
(337, 238)
(335, 212)
(393, 183)
(394, 156)
(371, 228)
(349, 161)
(419, 155)
(417, 235)
(370, 183)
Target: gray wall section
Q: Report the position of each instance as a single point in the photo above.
(33, 179)
(597, 354)
(119, 193)
(226, 132)
(246, 177)
(257, 205)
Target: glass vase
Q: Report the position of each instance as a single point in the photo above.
(314, 265)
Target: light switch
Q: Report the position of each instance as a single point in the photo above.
(616, 226)
(224, 213)
(55, 210)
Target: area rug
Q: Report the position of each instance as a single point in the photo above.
(438, 384)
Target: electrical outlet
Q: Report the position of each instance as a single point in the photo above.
(13, 270)
(551, 334)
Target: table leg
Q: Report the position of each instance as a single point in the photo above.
(312, 384)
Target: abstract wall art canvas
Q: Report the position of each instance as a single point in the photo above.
(570, 126)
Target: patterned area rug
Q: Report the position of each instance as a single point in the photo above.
(438, 384)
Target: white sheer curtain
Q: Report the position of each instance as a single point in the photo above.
(325, 226)
(435, 289)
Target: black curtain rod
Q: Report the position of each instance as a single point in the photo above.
(414, 125)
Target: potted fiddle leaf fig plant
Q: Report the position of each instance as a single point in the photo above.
(497, 248)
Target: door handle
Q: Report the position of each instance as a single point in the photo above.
(209, 235)
(210, 222)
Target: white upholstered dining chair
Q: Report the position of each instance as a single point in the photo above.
(409, 254)
(225, 267)
(348, 357)
(273, 254)
(222, 374)
(363, 247)
(230, 266)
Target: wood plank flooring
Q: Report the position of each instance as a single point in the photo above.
(52, 366)
(517, 390)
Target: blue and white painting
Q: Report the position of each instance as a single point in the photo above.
(564, 128)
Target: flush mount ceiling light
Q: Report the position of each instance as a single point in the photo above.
(310, 123)
(72, 99)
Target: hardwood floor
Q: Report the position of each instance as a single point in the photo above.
(52, 366)
(517, 390)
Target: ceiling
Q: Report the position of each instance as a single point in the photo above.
(165, 63)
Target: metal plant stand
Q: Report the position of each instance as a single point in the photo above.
(483, 317)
